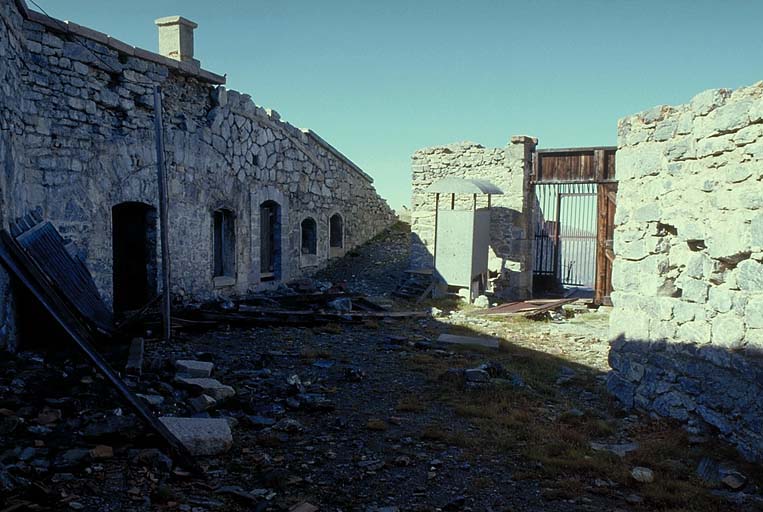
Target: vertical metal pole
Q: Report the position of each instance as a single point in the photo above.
(436, 214)
(163, 219)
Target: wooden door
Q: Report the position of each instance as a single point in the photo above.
(605, 256)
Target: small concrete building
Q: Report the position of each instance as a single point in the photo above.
(253, 200)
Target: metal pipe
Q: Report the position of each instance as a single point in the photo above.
(163, 215)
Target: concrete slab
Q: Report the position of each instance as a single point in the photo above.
(192, 368)
(468, 340)
(202, 436)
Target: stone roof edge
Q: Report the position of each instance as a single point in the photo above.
(318, 139)
(186, 68)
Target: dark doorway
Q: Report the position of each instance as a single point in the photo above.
(134, 255)
(270, 240)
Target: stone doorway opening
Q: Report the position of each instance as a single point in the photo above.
(134, 231)
(270, 241)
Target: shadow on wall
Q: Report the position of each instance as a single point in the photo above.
(703, 385)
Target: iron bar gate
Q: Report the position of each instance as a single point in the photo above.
(565, 233)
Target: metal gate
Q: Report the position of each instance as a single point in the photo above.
(565, 233)
(574, 194)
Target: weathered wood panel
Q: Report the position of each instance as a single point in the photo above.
(575, 164)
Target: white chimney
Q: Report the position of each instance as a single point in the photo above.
(176, 38)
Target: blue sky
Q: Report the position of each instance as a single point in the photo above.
(380, 79)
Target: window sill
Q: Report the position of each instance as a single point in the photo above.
(223, 281)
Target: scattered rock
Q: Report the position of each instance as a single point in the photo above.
(102, 451)
(342, 304)
(642, 474)
(304, 507)
(201, 436)
(619, 449)
(190, 368)
(289, 425)
(211, 387)
(482, 302)
(202, 402)
(734, 480)
(476, 375)
(153, 400)
(566, 375)
(153, 458)
(112, 426)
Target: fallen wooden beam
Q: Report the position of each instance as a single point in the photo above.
(526, 307)
(38, 283)
(468, 340)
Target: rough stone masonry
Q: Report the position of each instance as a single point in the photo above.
(687, 324)
(77, 139)
(509, 168)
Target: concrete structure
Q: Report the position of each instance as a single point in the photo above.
(509, 168)
(252, 198)
(687, 324)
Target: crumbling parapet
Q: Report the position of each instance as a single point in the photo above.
(509, 169)
(687, 323)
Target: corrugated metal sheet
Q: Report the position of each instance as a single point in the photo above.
(45, 246)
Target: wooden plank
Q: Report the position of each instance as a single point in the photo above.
(468, 340)
(601, 244)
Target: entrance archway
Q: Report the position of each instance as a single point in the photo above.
(134, 263)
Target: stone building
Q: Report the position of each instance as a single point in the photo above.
(687, 324)
(254, 201)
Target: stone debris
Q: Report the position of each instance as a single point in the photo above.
(642, 475)
(190, 368)
(482, 302)
(202, 402)
(210, 387)
(202, 436)
(619, 449)
(304, 507)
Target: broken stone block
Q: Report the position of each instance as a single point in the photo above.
(201, 436)
(211, 387)
(202, 402)
(642, 474)
(134, 364)
(192, 368)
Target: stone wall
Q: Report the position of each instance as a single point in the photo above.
(86, 143)
(509, 169)
(687, 324)
(11, 130)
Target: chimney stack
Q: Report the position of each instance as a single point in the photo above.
(176, 38)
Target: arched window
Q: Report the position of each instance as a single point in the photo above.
(336, 231)
(309, 236)
(224, 243)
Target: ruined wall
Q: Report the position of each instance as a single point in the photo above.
(88, 144)
(10, 140)
(687, 323)
(508, 168)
